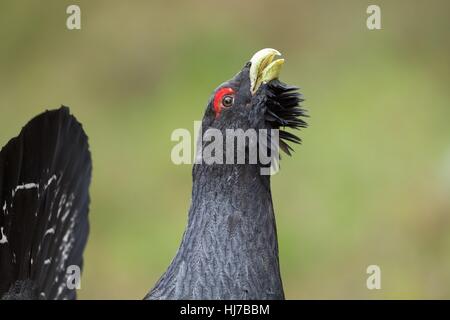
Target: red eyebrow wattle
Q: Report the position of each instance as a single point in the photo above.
(218, 99)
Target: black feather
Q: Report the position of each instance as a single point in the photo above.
(284, 111)
(45, 174)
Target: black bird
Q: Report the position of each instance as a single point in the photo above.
(45, 174)
(229, 249)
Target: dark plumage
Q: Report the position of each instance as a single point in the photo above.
(283, 110)
(229, 249)
(45, 174)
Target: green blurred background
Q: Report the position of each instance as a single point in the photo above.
(369, 185)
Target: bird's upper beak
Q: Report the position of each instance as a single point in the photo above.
(264, 68)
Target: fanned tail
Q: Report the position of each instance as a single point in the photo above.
(45, 174)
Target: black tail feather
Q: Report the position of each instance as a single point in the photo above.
(44, 179)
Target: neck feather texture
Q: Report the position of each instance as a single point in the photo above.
(229, 248)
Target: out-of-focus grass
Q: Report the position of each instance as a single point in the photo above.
(369, 185)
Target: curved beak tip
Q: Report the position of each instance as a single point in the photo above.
(264, 68)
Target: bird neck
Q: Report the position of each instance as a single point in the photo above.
(229, 248)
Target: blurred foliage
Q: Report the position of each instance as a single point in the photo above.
(369, 185)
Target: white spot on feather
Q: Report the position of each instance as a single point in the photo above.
(65, 248)
(62, 203)
(25, 186)
(53, 178)
(68, 207)
(49, 231)
(4, 239)
(60, 290)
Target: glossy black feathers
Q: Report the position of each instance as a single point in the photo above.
(45, 174)
(283, 110)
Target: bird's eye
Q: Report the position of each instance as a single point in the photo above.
(223, 99)
(227, 101)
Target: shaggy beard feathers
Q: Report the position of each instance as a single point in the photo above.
(284, 111)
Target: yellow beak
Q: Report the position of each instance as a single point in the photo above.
(264, 68)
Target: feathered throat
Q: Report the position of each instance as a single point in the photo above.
(284, 111)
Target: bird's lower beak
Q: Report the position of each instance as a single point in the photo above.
(264, 68)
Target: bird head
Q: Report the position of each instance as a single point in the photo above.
(255, 98)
